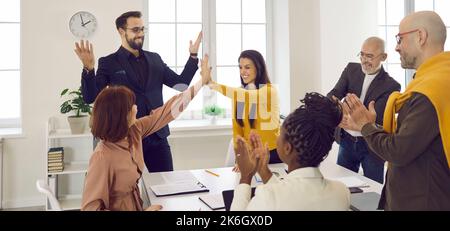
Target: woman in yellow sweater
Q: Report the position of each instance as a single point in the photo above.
(255, 104)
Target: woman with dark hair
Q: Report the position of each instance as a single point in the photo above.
(117, 163)
(305, 140)
(255, 104)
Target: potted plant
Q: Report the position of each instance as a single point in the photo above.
(213, 111)
(80, 109)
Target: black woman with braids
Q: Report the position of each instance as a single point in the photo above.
(305, 140)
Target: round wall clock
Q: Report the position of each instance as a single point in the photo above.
(83, 24)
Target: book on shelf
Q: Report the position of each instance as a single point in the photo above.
(59, 169)
(58, 155)
(57, 160)
(56, 150)
(56, 169)
(55, 164)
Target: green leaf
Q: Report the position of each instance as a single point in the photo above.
(75, 103)
(64, 91)
(66, 109)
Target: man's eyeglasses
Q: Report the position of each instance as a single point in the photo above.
(368, 57)
(398, 37)
(136, 30)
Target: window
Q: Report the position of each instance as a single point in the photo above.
(249, 31)
(10, 64)
(388, 22)
(390, 13)
(172, 23)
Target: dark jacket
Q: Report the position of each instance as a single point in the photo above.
(418, 176)
(351, 81)
(115, 69)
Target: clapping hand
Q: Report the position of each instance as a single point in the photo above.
(263, 154)
(246, 161)
(358, 115)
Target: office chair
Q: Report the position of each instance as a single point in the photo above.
(230, 158)
(45, 189)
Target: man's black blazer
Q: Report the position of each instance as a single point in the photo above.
(115, 69)
(351, 81)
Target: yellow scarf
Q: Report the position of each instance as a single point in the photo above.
(432, 80)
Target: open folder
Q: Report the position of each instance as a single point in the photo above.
(174, 183)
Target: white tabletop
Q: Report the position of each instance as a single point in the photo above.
(228, 179)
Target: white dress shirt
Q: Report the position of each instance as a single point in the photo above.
(301, 189)
(365, 87)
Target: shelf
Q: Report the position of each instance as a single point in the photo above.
(65, 133)
(70, 204)
(72, 168)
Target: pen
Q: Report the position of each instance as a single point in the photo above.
(212, 173)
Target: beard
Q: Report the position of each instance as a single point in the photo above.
(408, 62)
(369, 69)
(134, 44)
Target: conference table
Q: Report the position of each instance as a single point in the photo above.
(225, 179)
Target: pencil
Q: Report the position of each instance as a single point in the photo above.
(212, 173)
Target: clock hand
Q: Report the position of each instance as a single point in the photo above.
(84, 24)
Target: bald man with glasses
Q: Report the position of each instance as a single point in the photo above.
(370, 82)
(415, 137)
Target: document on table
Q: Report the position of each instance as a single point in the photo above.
(174, 183)
(213, 201)
(352, 181)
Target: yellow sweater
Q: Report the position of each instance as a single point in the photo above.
(432, 80)
(263, 104)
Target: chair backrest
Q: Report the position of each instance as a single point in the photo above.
(230, 158)
(43, 188)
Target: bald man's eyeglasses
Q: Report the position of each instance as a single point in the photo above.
(399, 38)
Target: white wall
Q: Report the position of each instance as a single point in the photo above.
(324, 36)
(281, 57)
(304, 24)
(344, 25)
(49, 65)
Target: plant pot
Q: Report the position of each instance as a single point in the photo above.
(212, 119)
(78, 124)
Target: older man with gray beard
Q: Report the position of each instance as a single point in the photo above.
(370, 82)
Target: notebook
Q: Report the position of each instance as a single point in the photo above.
(175, 183)
(213, 201)
(364, 201)
(228, 197)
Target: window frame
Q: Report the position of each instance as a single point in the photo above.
(409, 7)
(209, 46)
(8, 123)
